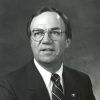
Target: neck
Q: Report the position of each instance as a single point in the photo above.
(51, 67)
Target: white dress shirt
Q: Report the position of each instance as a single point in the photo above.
(46, 75)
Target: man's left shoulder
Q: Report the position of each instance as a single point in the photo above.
(76, 74)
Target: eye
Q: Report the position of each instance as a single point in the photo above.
(37, 33)
(55, 33)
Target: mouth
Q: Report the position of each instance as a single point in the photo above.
(47, 49)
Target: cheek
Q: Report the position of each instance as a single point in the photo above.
(34, 48)
(60, 47)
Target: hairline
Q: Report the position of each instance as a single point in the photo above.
(49, 12)
(62, 16)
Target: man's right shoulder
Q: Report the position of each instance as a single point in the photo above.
(17, 73)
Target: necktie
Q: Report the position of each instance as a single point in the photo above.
(57, 90)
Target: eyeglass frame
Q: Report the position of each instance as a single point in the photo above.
(55, 29)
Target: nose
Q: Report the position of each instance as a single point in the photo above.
(46, 39)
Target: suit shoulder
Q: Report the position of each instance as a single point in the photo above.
(16, 74)
(76, 74)
(77, 77)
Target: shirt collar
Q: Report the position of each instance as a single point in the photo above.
(46, 75)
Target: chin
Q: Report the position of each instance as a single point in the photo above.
(47, 60)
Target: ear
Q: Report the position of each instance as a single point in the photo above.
(68, 42)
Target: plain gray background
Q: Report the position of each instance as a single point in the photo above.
(84, 52)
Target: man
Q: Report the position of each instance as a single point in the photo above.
(45, 77)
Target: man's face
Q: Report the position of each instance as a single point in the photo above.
(48, 50)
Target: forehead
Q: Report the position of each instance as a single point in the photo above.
(47, 20)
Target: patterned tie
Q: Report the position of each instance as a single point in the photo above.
(57, 90)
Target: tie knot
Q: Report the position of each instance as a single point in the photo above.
(55, 79)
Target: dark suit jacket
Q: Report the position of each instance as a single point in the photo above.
(26, 84)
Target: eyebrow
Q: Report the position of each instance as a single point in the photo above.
(54, 28)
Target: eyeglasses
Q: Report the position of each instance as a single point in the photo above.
(54, 34)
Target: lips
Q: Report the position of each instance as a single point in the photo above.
(47, 49)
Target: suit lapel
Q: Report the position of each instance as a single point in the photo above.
(72, 92)
(36, 86)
